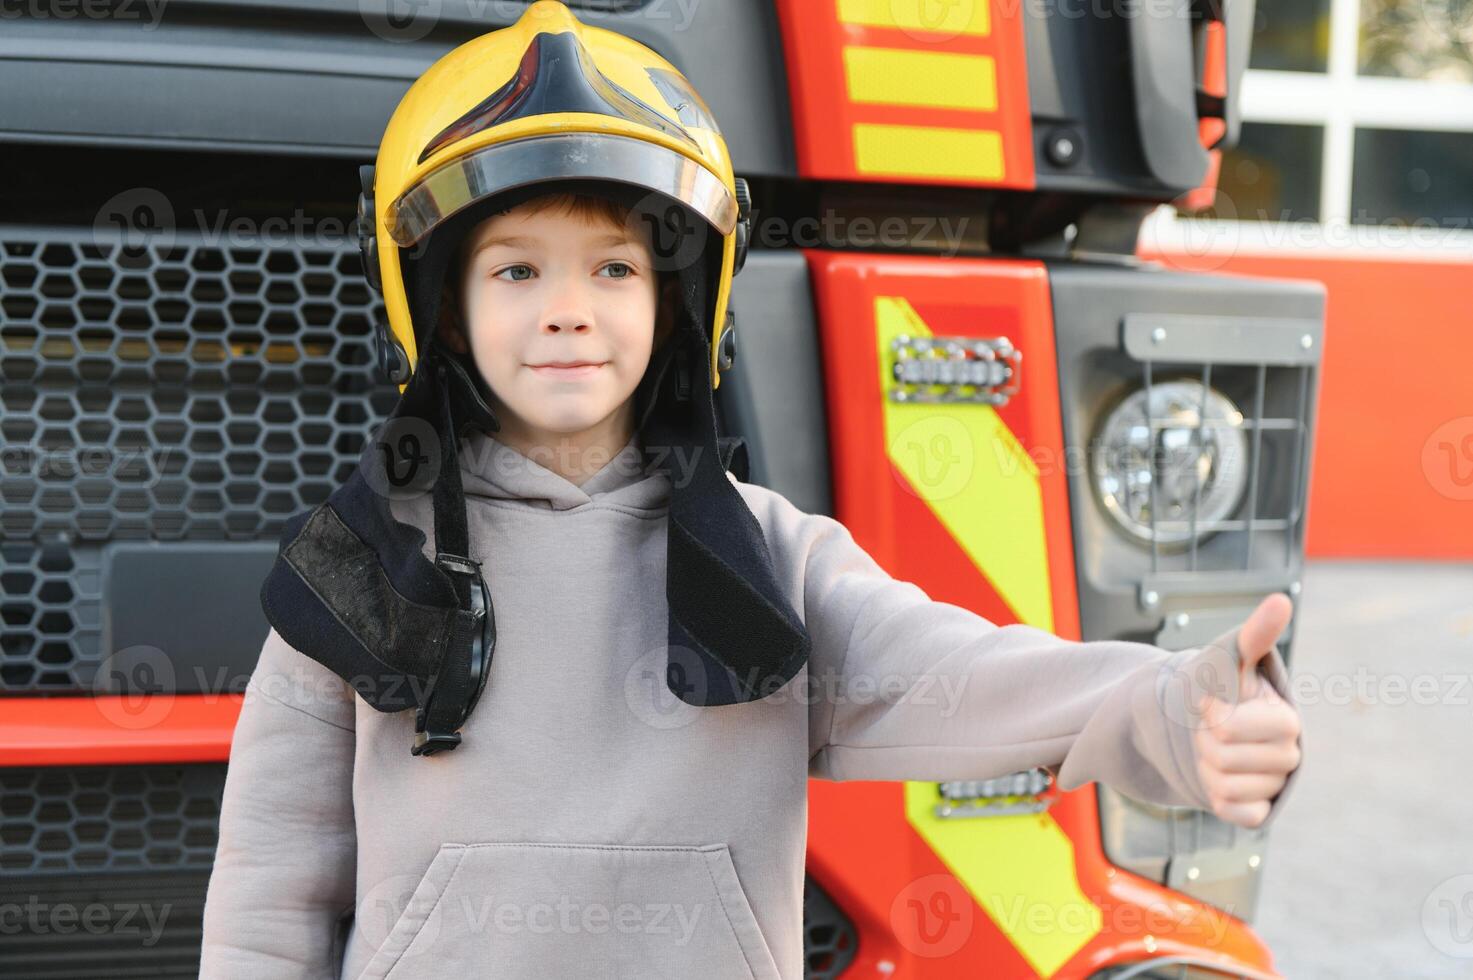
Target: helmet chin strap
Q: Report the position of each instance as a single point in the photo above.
(469, 395)
(463, 669)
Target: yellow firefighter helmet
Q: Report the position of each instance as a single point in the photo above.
(545, 100)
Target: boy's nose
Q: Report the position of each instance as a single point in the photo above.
(570, 311)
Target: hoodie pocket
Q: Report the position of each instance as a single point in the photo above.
(546, 911)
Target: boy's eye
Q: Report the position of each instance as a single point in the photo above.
(628, 269)
(514, 268)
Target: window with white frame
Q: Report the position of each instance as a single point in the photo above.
(1355, 112)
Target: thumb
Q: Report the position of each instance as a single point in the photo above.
(1257, 637)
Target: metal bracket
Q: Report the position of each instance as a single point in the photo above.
(1156, 587)
(1221, 339)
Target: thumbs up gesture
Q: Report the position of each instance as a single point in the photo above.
(1249, 744)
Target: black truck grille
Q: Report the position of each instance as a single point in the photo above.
(192, 391)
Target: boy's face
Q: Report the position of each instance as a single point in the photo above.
(543, 289)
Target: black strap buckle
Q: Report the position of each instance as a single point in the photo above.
(428, 738)
(428, 743)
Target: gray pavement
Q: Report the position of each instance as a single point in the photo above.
(1369, 870)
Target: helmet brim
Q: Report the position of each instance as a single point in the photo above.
(501, 167)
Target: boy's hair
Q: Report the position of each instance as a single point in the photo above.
(581, 205)
(586, 206)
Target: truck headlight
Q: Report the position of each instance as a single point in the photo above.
(1195, 469)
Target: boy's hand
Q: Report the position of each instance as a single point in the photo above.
(1245, 751)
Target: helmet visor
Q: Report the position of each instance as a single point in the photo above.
(563, 156)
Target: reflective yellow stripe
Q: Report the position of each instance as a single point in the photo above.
(975, 476)
(927, 151)
(938, 16)
(1020, 869)
(936, 79)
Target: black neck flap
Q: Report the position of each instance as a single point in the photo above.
(733, 636)
(351, 586)
(352, 589)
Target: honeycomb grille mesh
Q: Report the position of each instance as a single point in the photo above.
(188, 391)
(108, 819)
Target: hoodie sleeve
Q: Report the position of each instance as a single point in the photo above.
(286, 862)
(915, 689)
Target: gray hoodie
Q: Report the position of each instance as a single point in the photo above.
(593, 825)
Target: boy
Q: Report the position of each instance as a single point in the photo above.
(625, 662)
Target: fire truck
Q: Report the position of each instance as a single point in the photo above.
(945, 339)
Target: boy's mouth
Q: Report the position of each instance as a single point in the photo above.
(567, 369)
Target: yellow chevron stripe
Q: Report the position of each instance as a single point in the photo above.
(934, 79)
(969, 468)
(975, 476)
(928, 151)
(936, 16)
(1020, 870)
